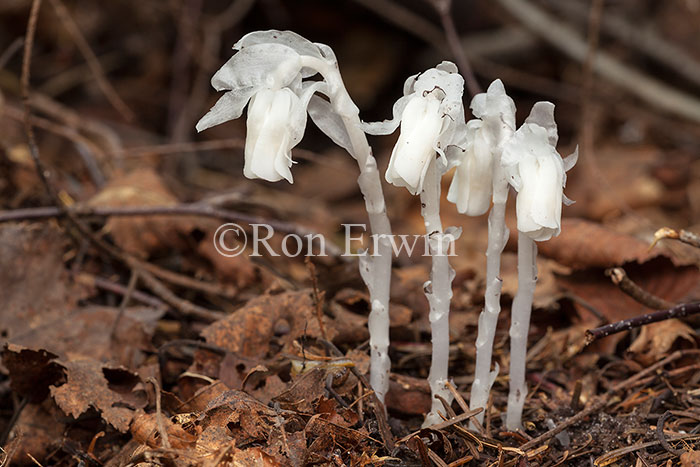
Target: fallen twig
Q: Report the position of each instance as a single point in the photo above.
(119, 289)
(194, 209)
(619, 277)
(689, 238)
(678, 311)
(662, 438)
(159, 416)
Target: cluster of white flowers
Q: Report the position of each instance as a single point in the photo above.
(270, 73)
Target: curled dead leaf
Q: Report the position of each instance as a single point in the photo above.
(110, 391)
(144, 429)
(656, 340)
(584, 244)
(250, 330)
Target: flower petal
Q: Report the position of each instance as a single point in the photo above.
(262, 65)
(495, 104)
(570, 160)
(269, 139)
(542, 114)
(388, 126)
(329, 122)
(297, 116)
(228, 107)
(420, 128)
(472, 185)
(289, 39)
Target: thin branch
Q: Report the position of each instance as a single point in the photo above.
(195, 209)
(619, 277)
(317, 295)
(679, 311)
(689, 238)
(116, 288)
(102, 82)
(562, 37)
(645, 39)
(217, 145)
(10, 51)
(406, 19)
(444, 8)
(159, 416)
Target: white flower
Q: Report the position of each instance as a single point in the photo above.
(497, 110)
(472, 186)
(538, 173)
(431, 115)
(267, 71)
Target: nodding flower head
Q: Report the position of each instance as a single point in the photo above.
(497, 110)
(472, 186)
(267, 71)
(537, 172)
(431, 116)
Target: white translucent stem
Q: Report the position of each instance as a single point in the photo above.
(438, 291)
(520, 324)
(488, 319)
(375, 269)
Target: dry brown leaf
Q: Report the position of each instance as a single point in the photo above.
(346, 438)
(408, 395)
(33, 280)
(658, 277)
(305, 391)
(31, 371)
(584, 244)
(145, 234)
(87, 386)
(547, 292)
(337, 415)
(144, 429)
(690, 459)
(251, 457)
(287, 448)
(655, 340)
(238, 270)
(87, 333)
(40, 303)
(233, 417)
(250, 330)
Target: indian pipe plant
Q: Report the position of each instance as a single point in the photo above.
(281, 77)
